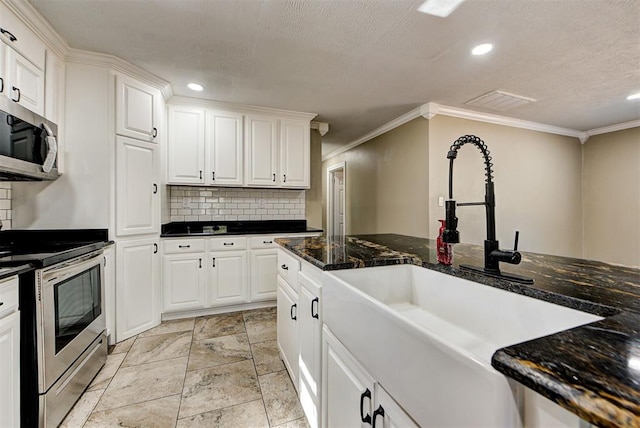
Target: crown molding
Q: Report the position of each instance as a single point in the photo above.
(322, 127)
(239, 108)
(407, 117)
(614, 128)
(104, 60)
(38, 25)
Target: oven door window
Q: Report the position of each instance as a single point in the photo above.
(77, 304)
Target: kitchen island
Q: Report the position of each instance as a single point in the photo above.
(592, 371)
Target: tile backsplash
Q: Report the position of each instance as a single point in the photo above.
(189, 203)
(5, 205)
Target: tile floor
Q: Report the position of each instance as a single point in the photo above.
(216, 371)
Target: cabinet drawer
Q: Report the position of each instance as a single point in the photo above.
(175, 246)
(288, 268)
(263, 242)
(8, 296)
(230, 243)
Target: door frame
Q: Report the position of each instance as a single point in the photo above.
(342, 166)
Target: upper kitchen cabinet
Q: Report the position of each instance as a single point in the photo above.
(261, 151)
(23, 53)
(186, 145)
(224, 141)
(137, 198)
(295, 157)
(54, 90)
(137, 109)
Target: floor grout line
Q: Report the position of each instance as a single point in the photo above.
(184, 378)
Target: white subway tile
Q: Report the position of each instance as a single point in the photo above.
(191, 218)
(230, 217)
(244, 217)
(237, 211)
(204, 218)
(255, 217)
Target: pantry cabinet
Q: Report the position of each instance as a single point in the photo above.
(261, 168)
(185, 145)
(137, 287)
(223, 145)
(137, 109)
(137, 191)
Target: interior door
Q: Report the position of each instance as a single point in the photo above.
(338, 203)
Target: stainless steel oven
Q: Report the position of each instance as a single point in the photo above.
(70, 345)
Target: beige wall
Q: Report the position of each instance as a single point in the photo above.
(537, 185)
(314, 204)
(611, 175)
(387, 182)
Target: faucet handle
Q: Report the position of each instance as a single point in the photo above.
(515, 244)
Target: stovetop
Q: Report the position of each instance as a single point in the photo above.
(42, 248)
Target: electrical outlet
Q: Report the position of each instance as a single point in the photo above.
(441, 201)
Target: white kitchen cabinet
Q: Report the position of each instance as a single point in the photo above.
(110, 292)
(137, 109)
(351, 396)
(224, 141)
(264, 270)
(228, 277)
(287, 328)
(185, 145)
(261, 147)
(9, 354)
(184, 278)
(310, 344)
(347, 388)
(54, 91)
(295, 146)
(24, 81)
(137, 287)
(137, 192)
(20, 38)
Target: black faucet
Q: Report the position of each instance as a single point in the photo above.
(493, 255)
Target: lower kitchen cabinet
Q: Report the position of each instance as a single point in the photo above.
(9, 354)
(264, 270)
(137, 287)
(351, 396)
(185, 283)
(110, 292)
(287, 328)
(228, 277)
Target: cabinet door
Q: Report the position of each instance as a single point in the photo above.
(287, 328)
(295, 149)
(227, 278)
(137, 192)
(310, 342)
(264, 270)
(10, 370)
(54, 90)
(184, 281)
(224, 148)
(347, 389)
(261, 151)
(25, 82)
(185, 145)
(137, 291)
(388, 413)
(137, 111)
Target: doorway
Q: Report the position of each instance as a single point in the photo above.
(336, 199)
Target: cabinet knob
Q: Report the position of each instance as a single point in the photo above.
(378, 412)
(10, 34)
(17, 100)
(366, 418)
(294, 306)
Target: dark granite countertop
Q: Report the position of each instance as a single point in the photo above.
(593, 370)
(225, 228)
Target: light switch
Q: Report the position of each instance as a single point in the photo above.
(441, 201)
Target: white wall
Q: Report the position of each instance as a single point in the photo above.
(77, 199)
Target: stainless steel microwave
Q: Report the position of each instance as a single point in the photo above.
(28, 144)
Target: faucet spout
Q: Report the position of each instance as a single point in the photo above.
(493, 255)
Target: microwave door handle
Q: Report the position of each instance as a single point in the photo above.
(52, 149)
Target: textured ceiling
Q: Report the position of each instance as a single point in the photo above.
(361, 63)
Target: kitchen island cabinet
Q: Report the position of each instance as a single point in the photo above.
(585, 370)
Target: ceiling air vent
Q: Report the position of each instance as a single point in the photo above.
(499, 101)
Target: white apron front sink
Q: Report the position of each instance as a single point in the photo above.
(428, 339)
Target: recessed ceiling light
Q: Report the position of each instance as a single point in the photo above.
(441, 8)
(482, 49)
(195, 87)
(634, 96)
